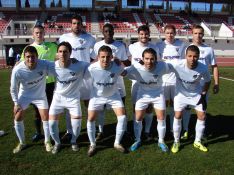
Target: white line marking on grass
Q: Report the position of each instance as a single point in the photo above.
(226, 78)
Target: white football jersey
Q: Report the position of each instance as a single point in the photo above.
(118, 51)
(82, 45)
(104, 81)
(188, 81)
(136, 50)
(30, 83)
(168, 51)
(150, 81)
(69, 80)
(207, 56)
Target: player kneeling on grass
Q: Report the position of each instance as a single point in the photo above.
(28, 86)
(69, 74)
(104, 74)
(149, 77)
(189, 73)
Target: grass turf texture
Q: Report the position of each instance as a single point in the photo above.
(147, 160)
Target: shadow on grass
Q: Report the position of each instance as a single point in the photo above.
(218, 129)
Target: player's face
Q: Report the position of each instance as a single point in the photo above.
(143, 36)
(170, 35)
(197, 36)
(30, 60)
(149, 60)
(192, 59)
(76, 26)
(108, 34)
(63, 54)
(38, 35)
(105, 59)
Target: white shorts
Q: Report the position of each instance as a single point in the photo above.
(85, 89)
(135, 87)
(97, 103)
(181, 101)
(121, 86)
(40, 103)
(169, 91)
(143, 101)
(59, 103)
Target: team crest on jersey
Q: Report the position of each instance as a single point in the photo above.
(72, 73)
(45, 47)
(195, 76)
(81, 41)
(177, 49)
(40, 73)
(112, 75)
(155, 76)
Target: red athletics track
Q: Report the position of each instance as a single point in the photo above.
(222, 61)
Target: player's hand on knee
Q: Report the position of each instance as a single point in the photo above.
(215, 88)
(202, 101)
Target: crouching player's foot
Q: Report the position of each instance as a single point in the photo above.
(135, 145)
(19, 148)
(48, 146)
(74, 147)
(200, 146)
(185, 136)
(175, 147)
(92, 150)
(163, 147)
(56, 148)
(119, 148)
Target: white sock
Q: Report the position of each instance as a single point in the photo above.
(76, 124)
(68, 122)
(161, 127)
(100, 120)
(46, 130)
(186, 119)
(177, 129)
(200, 127)
(170, 111)
(19, 129)
(91, 129)
(54, 131)
(137, 130)
(148, 121)
(120, 128)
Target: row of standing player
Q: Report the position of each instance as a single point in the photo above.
(82, 42)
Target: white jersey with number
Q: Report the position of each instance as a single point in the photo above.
(150, 81)
(136, 49)
(69, 80)
(188, 80)
(118, 51)
(30, 83)
(104, 81)
(82, 45)
(168, 51)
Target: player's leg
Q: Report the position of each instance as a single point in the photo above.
(159, 106)
(73, 105)
(120, 127)
(186, 118)
(19, 123)
(180, 102)
(148, 118)
(200, 127)
(37, 122)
